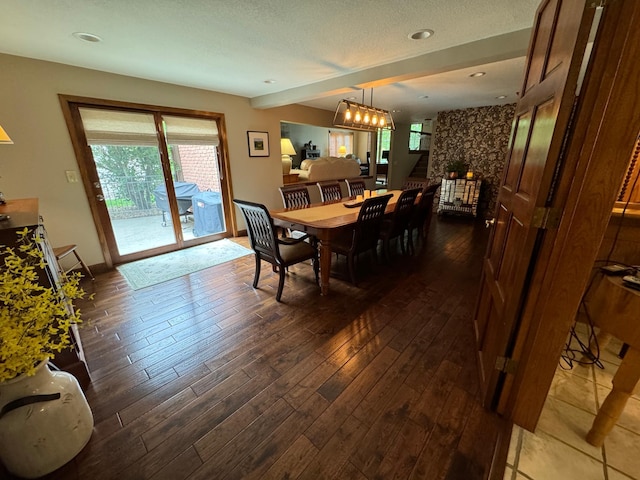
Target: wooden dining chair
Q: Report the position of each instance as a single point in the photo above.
(330, 191)
(413, 182)
(355, 187)
(295, 196)
(398, 224)
(365, 234)
(279, 252)
(421, 217)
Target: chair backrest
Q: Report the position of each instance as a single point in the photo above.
(262, 233)
(406, 202)
(294, 196)
(330, 191)
(428, 193)
(367, 229)
(410, 183)
(425, 205)
(355, 187)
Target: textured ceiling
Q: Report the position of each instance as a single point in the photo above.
(316, 51)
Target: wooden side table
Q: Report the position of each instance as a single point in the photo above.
(614, 308)
(289, 178)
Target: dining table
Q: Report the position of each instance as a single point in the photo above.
(327, 220)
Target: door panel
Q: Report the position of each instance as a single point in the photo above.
(519, 145)
(542, 116)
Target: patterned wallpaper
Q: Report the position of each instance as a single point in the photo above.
(478, 136)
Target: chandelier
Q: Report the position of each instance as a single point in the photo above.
(358, 116)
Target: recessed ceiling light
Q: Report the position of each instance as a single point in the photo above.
(351, 98)
(423, 96)
(500, 97)
(396, 111)
(421, 34)
(87, 37)
(478, 74)
(270, 81)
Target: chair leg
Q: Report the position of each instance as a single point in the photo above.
(316, 269)
(84, 265)
(257, 274)
(410, 246)
(280, 283)
(401, 240)
(352, 269)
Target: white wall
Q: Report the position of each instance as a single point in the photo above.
(401, 161)
(34, 166)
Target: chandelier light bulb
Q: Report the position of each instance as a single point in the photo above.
(358, 117)
(374, 119)
(382, 122)
(347, 115)
(366, 117)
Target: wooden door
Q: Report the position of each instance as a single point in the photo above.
(541, 119)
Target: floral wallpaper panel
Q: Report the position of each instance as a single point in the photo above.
(479, 137)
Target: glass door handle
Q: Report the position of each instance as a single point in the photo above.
(100, 198)
(490, 222)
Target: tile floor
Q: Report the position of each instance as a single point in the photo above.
(558, 449)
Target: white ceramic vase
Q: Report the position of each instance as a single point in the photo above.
(45, 421)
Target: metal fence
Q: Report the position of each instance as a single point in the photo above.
(129, 197)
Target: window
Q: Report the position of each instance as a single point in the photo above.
(384, 145)
(419, 141)
(340, 139)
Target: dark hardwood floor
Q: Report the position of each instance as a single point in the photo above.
(204, 377)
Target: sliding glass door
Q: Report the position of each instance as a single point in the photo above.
(157, 178)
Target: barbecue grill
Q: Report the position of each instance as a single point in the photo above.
(184, 192)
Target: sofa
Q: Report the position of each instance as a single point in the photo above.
(327, 168)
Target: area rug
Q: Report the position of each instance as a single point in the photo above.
(161, 268)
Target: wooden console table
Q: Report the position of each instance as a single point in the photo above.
(615, 309)
(289, 178)
(24, 213)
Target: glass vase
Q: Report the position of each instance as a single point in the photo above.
(45, 421)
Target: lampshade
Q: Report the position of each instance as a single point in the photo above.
(4, 138)
(342, 150)
(286, 147)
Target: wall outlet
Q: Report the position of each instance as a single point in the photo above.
(72, 176)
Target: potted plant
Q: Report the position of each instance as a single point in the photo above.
(456, 168)
(45, 419)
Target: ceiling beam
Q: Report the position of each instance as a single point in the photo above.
(493, 49)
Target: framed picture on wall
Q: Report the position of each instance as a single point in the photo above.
(258, 144)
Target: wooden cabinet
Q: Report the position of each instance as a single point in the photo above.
(22, 214)
(289, 178)
(459, 196)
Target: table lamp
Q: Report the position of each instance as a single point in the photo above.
(342, 151)
(4, 138)
(287, 150)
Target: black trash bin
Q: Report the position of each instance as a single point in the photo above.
(208, 217)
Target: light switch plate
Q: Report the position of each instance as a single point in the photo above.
(72, 176)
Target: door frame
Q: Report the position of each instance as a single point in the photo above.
(79, 143)
(606, 125)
